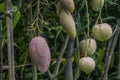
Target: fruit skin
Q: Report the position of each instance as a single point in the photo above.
(40, 53)
(87, 64)
(96, 5)
(68, 23)
(102, 32)
(68, 4)
(88, 46)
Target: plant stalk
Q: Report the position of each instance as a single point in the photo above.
(10, 41)
(88, 18)
(34, 72)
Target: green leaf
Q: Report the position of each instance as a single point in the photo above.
(16, 18)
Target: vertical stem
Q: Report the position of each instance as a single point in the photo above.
(34, 72)
(10, 41)
(1, 60)
(63, 48)
(69, 71)
(88, 22)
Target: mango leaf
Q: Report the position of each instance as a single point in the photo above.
(16, 18)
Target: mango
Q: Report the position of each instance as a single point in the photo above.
(88, 46)
(96, 5)
(68, 4)
(40, 53)
(102, 32)
(68, 23)
(87, 64)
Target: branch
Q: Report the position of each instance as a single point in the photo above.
(10, 41)
(18, 66)
(110, 51)
(52, 76)
(69, 70)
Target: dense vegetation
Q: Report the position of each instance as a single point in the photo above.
(38, 18)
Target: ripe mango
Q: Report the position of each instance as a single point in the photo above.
(40, 53)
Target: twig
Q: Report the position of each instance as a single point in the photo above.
(55, 73)
(69, 70)
(18, 66)
(1, 54)
(113, 43)
(10, 41)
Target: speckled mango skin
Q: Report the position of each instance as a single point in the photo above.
(87, 64)
(88, 46)
(102, 32)
(40, 53)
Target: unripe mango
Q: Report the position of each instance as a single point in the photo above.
(96, 5)
(68, 23)
(88, 46)
(87, 64)
(102, 32)
(40, 53)
(68, 4)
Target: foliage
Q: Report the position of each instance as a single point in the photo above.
(38, 17)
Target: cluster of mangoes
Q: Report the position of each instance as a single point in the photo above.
(100, 32)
